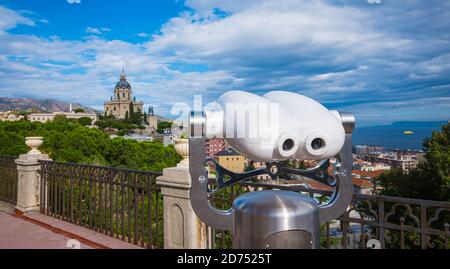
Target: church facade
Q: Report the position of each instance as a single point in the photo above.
(120, 104)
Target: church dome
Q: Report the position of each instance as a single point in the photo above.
(123, 83)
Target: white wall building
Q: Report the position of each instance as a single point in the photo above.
(46, 117)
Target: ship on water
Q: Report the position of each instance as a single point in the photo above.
(408, 132)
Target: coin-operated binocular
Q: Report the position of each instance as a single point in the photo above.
(277, 127)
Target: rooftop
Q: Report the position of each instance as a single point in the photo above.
(227, 152)
(123, 83)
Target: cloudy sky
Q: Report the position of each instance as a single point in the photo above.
(384, 60)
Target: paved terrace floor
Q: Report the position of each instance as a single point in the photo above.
(36, 231)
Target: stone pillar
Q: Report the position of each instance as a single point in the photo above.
(28, 187)
(182, 228)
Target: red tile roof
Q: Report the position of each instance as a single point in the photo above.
(362, 183)
(371, 174)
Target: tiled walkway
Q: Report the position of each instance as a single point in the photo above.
(36, 231)
(16, 233)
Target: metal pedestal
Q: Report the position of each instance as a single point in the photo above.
(275, 220)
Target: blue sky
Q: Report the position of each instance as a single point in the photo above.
(385, 62)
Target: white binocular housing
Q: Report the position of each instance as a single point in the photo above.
(275, 127)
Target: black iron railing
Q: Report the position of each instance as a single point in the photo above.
(372, 221)
(8, 180)
(391, 222)
(124, 204)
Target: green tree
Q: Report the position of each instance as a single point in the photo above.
(68, 141)
(131, 112)
(85, 121)
(431, 179)
(163, 126)
(437, 157)
(79, 110)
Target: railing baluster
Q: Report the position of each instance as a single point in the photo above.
(381, 231)
(100, 207)
(446, 228)
(117, 189)
(423, 226)
(344, 233)
(127, 182)
(135, 205)
(49, 190)
(90, 197)
(142, 218)
(149, 208)
(55, 197)
(327, 227)
(111, 197)
(95, 187)
(72, 182)
(42, 186)
(123, 205)
(81, 190)
(158, 195)
(402, 233)
(363, 232)
(106, 211)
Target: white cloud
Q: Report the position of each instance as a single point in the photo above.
(97, 31)
(10, 19)
(143, 35)
(74, 1)
(355, 57)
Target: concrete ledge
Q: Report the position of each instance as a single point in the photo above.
(99, 239)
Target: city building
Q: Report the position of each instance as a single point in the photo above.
(10, 116)
(139, 137)
(395, 160)
(152, 120)
(363, 181)
(366, 166)
(361, 150)
(231, 160)
(178, 128)
(46, 117)
(215, 145)
(120, 104)
(264, 177)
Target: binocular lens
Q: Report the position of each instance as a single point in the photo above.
(288, 144)
(318, 144)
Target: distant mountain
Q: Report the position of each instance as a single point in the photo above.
(393, 137)
(413, 124)
(48, 105)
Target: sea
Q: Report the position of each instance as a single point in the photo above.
(393, 137)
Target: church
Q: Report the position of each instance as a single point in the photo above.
(120, 104)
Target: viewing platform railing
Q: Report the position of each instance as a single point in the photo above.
(8, 179)
(124, 204)
(128, 205)
(371, 221)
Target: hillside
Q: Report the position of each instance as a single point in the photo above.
(28, 104)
